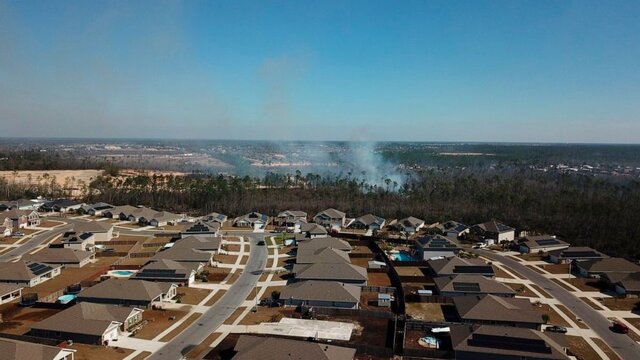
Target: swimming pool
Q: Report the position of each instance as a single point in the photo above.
(65, 299)
(403, 256)
(121, 273)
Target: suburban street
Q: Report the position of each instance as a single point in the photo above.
(620, 343)
(223, 308)
(33, 242)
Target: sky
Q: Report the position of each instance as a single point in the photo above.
(509, 71)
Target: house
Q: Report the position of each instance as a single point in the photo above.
(61, 206)
(312, 230)
(253, 220)
(409, 225)
(574, 253)
(128, 292)
(328, 294)
(10, 292)
(433, 246)
(96, 209)
(161, 218)
(19, 219)
(331, 218)
(369, 222)
(322, 256)
(20, 350)
(341, 272)
(540, 243)
(454, 229)
(506, 343)
(326, 242)
(291, 218)
(83, 241)
(215, 217)
(119, 212)
(496, 231)
(21, 204)
(27, 273)
(67, 257)
(624, 283)
(497, 310)
(5, 231)
(598, 267)
(202, 228)
(461, 285)
(250, 347)
(182, 273)
(89, 323)
(101, 230)
(193, 249)
(456, 265)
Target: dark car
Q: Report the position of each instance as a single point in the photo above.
(261, 243)
(620, 327)
(557, 329)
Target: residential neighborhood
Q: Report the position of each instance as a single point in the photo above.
(130, 282)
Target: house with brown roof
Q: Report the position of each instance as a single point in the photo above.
(19, 219)
(10, 292)
(182, 273)
(325, 242)
(624, 283)
(312, 231)
(506, 343)
(435, 246)
(540, 243)
(574, 253)
(291, 219)
(89, 323)
(497, 310)
(27, 273)
(101, 230)
(20, 350)
(126, 292)
(369, 222)
(409, 225)
(250, 347)
(341, 272)
(202, 228)
(331, 219)
(253, 220)
(456, 265)
(66, 257)
(461, 285)
(331, 294)
(192, 249)
(599, 267)
(321, 256)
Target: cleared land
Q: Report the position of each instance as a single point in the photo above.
(425, 311)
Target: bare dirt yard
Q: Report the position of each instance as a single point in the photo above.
(623, 304)
(554, 317)
(93, 352)
(156, 321)
(17, 320)
(379, 279)
(425, 311)
(192, 296)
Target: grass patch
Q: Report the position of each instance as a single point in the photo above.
(541, 291)
(236, 314)
(563, 285)
(554, 317)
(572, 316)
(185, 324)
(219, 294)
(521, 289)
(604, 347)
(192, 296)
(581, 349)
(621, 304)
(94, 352)
(198, 351)
(157, 321)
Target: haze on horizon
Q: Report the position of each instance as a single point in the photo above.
(505, 71)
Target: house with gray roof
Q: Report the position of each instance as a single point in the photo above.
(574, 253)
(506, 343)
(540, 243)
(325, 242)
(461, 285)
(89, 323)
(20, 350)
(215, 217)
(368, 222)
(495, 231)
(434, 246)
(202, 228)
(409, 225)
(596, 268)
(321, 256)
(456, 265)
(126, 292)
(19, 219)
(331, 219)
(10, 292)
(341, 272)
(291, 218)
(331, 294)
(61, 205)
(66, 257)
(454, 229)
(27, 273)
(250, 347)
(489, 309)
(194, 249)
(312, 231)
(253, 220)
(96, 209)
(181, 273)
(119, 212)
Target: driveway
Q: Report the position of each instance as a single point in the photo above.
(620, 343)
(34, 242)
(221, 310)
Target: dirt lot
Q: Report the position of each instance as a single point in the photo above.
(535, 268)
(591, 303)
(554, 317)
(567, 312)
(541, 291)
(267, 314)
(636, 323)
(232, 247)
(61, 176)
(521, 289)
(586, 284)
(367, 330)
(379, 279)
(531, 257)
(361, 250)
(501, 273)
(192, 296)
(360, 262)
(557, 268)
(425, 311)
(157, 321)
(200, 349)
(226, 259)
(625, 304)
(18, 320)
(604, 347)
(93, 352)
(581, 349)
(563, 284)
(185, 324)
(46, 223)
(411, 271)
(216, 275)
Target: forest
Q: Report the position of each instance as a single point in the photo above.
(601, 212)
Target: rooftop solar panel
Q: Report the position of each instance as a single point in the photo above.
(580, 254)
(466, 287)
(473, 269)
(39, 269)
(546, 242)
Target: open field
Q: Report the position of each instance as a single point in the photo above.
(61, 176)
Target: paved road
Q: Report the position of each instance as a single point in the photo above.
(620, 343)
(32, 243)
(218, 313)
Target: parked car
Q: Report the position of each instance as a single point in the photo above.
(557, 329)
(619, 327)
(261, 243)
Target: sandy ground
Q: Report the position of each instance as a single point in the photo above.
(61, 176)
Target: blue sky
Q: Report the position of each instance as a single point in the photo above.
(533, 71)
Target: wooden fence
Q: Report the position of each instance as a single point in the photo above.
(355, 312)
(379, 289)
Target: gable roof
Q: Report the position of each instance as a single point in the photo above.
(313, 290)
(436, 243)
(23, 270)
(166, 269)
(369, 220)
(251, 347)
(494, 227)
(20, 350)
(201, 243)
(59, 256)
(411, 222)
(92, 227)
(321, 255)
(457, 265)
(612, 264)
(337, 272)
(313, 229)
(294, 213)
(9, 288)
(577, 252)
(541, 241)
(203, 227)
(183, 253)
(252, 217)
(14, 214)
(471, 284)
(217, 217)
(332, 213)
(85, 318)
(325, 242)
(124, 289)
(496, 308)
